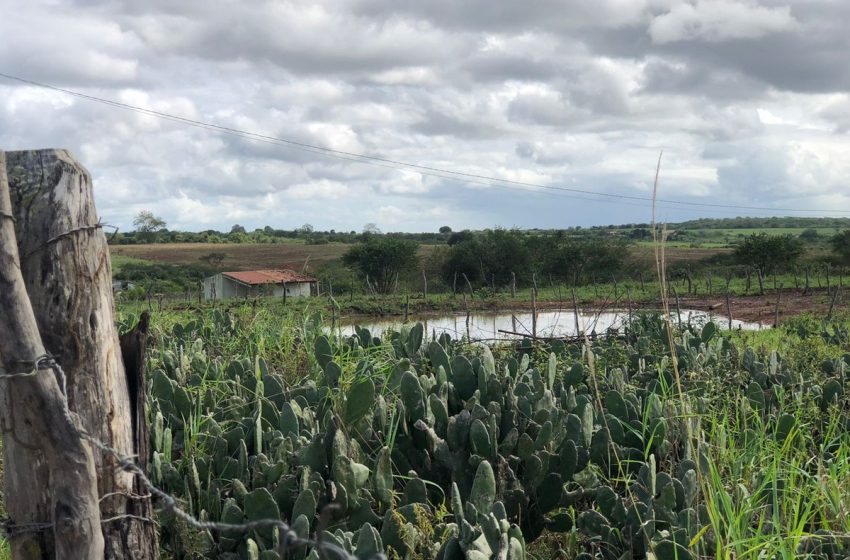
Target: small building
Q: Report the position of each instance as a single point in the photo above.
(256, 283)
(121, 285)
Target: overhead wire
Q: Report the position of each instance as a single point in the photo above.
(426, 170)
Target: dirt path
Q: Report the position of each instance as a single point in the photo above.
(761, 309)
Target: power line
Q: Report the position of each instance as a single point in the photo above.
(403, 165)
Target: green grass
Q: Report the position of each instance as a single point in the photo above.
(120, 261)
(764, 495)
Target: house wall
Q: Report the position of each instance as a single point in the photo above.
(293, 289)
(212, 287)
(222, 287)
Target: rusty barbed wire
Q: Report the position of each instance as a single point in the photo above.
(289, 540)
(63, 235)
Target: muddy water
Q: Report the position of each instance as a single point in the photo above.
(505, 325)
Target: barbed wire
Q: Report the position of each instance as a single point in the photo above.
(42, 362)
(289, 539)
(63, 235)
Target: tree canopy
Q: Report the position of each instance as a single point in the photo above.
(382, 259)
(493, 255)
(148, 226)
(769, 253)
(840, 243)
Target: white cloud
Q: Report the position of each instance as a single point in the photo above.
(719, 20)
(749, 101)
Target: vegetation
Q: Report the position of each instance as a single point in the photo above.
(139, 278)
(840, 243)
(148, 226)
(380, 260)
(439, 448)
(769, 253)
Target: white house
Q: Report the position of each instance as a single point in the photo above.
(253, 283)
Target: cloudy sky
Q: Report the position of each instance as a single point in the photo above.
(750, 101)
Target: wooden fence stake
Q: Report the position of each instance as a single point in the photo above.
(729, 309)
(50, 472)
(68, 276)
(424, 285)
(832, 303)
(575, 311)
(678, 307)
(534, 312)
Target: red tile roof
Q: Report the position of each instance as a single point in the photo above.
(255, 277)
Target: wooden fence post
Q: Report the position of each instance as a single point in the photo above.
(68, 276)
(50, 472)
(424, 285)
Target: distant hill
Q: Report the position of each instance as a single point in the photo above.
(764, 223)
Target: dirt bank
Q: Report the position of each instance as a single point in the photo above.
(751, 308)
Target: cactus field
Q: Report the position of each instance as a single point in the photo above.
(721, 445)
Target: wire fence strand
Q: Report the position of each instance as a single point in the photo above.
(289, 540)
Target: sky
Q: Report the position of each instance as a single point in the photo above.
(558, 108)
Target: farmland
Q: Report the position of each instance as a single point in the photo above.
(237, 256)
(250, 256)
(671, 441)
(667, 441)
(601, 450)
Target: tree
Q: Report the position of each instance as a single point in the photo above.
(445, 229)
(809, 234)
(768, 253)
(371, 228)
(487, 257)
(503, 252)
(237, 229)
(306, 228)
(840, 243)
(460, 237)
(382, 259)
(213, 259)
(148, 226)
(574, 259)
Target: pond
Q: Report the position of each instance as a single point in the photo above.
(506, 325)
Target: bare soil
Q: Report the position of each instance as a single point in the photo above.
(244, 256)
(750, 308)
(762, 308)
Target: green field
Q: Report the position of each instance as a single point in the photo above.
(261, 409)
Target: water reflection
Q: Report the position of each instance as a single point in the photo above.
(502, 325)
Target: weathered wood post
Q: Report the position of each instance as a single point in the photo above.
(832, 303)
(729, 309)
(468, 285)
(49, 470)
(534, 311)
(424, 285)
(575, 311)
(68, 276)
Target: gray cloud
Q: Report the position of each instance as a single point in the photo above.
(749, 100)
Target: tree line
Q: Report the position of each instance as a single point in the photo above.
(495, 258)
(500, 258)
